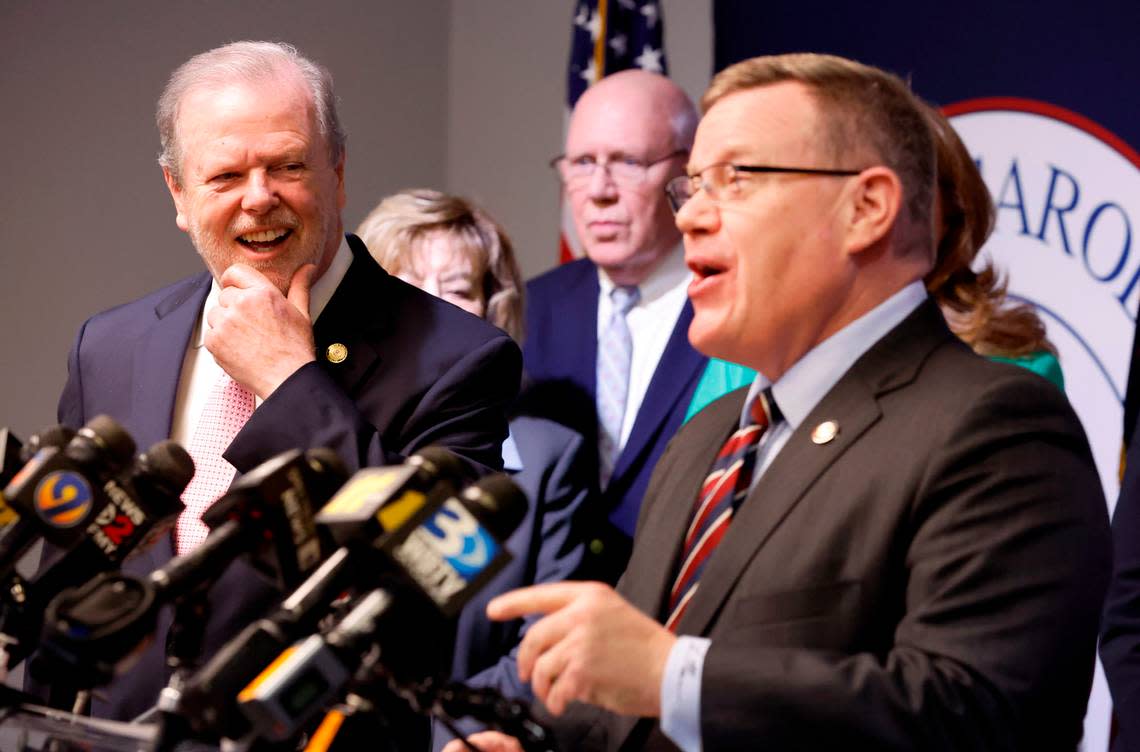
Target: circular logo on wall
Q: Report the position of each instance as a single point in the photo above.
(1067, 193)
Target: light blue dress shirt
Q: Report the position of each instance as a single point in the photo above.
(796, 393)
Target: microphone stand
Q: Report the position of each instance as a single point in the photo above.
(183, 648)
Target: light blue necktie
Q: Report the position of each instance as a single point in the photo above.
(615, 352)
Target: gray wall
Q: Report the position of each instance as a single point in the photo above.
(460, 94)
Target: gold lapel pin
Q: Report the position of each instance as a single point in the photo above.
(336, 353)
(825, 432)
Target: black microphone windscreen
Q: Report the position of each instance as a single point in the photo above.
(502, 502)
(327, 460)
(440, 462)
(168, 461)
(111, 437)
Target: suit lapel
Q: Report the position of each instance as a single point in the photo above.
(783, 484)
(853, 403)
(579, 343)
(356, 312)
(676, 372)
(158, 367)
(157, 373)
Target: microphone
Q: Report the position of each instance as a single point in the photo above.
(442, 556)
(142, 505)
(14, 455)
(379, 500)
(372, 503)
(10, 460)
(450, 552)
(267, 514)
(60, 489)
(52, 436)
(312, 673)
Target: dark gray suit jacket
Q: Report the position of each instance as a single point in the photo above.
(928, 580)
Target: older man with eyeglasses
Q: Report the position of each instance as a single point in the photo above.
(886, 542)
(606, 349)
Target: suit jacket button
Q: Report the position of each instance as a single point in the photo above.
(336, 353)
(825, 432)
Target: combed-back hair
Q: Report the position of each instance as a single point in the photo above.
(248, 62)
(867, 113)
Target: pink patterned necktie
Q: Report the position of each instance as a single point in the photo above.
(227, 409)
(725, 487)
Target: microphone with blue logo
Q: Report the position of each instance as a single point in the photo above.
(57, 493)
(442, 556)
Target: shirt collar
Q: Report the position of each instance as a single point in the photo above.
(799, 390)
(668, 274)
(319, 296)
(512, 460)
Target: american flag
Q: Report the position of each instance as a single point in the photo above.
(608, 36)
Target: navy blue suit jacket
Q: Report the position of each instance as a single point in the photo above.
(419, 372)
(560, 359)
(555, 473)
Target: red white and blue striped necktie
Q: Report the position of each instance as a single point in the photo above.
(724, 489)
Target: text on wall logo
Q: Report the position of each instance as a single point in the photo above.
(1067, 198)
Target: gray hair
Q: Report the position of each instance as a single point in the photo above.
(250, 62)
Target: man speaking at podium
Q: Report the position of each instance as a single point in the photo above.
(293, 338)
(887, 542)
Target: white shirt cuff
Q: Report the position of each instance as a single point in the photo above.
(681, 692)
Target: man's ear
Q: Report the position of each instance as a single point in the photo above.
(179, 197)
(876, 201)
(339, 168)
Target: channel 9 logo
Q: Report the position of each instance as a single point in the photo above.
(63, 499)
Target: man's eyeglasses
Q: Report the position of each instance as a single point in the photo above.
(576, 171)
(722, 181)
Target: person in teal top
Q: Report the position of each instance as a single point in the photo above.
(974, 302)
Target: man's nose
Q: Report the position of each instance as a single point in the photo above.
(601, 186)
(260, 193)
(698, 214)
